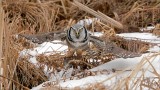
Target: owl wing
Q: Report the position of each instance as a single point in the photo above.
(99, 43)
(47, 37)
(111, 47)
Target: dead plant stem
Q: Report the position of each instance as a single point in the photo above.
(1, 39)
(15, 82)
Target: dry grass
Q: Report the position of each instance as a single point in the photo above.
(156, 31)
(39, 16)
(1, 39)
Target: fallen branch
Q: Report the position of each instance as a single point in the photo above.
(99, 15)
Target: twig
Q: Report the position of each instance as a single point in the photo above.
(65, 11)
(99, 15)
(71, 61)
(14, 70)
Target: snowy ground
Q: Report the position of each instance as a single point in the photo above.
(124, 66)
(147, 37)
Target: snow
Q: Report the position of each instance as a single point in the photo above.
(148, 28)
(33, 60)
(154, 49)
(84, 81)
(121, 63)
(45, 48)
(88, 21)
(147, 37)
(39, 87)
(98, 34)
(118, 64)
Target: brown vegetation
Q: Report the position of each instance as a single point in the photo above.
(39, 16)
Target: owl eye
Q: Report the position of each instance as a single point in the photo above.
(80, 30)
(72, 29)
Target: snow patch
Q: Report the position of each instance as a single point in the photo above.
(147, 37)
(45, 48)
(148, 28)
(87, 21)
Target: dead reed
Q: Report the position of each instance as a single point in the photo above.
(39, 16)
(1, 40)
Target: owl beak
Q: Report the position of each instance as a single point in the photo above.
(77, 35)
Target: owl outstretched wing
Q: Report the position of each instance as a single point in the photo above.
(47, 37)
(111, 47)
